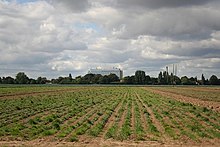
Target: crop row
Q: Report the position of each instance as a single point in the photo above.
(120, 113)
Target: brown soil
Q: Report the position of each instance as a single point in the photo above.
(51, 92)
(91, 142)
(191, 88)
(210, 104)
(111, 120)
(133, 119)
(201, 89)
(143, 118)
(81, 118)
(122, 119)
(153, 118)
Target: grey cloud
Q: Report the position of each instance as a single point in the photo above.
(196, 52)
(156, 4)
(198, 66)
(49, 38)
(178, 24)
(72, 5)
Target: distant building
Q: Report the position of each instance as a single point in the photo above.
(103, 72)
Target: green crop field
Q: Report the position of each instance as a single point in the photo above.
(120, 114)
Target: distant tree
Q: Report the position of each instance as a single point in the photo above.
(70, 76)
(0, 80)
(41, 80)
(166, 77)
(8, 80)
(160, 78)
(192, 81)
(148, 80)
(154, 81)
(33, 81)
(104, 80)
(140, 77)
(87, 79)
(185, 80)
(58, 80)
(65, 80)
(214, 80)
(78, 80)
(132, 78)
(203, 82)
(113, 78)
(127, 80)
(54, 81)
(22, 78)
(177, 80)
(96, 78)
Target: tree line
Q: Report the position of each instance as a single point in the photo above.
(164, 78)
(139, 78)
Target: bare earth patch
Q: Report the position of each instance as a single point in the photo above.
(51, 92)
(195, 101)
(94, 142)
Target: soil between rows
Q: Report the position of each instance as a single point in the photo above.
(195, 101)
(94, 142)
(101, 141)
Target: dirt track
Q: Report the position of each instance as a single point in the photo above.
(91, 142)
(195, 101)
(86, 140)
(51, 92)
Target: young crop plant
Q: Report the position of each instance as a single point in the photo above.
(112, 131)
(100, 125)
(138, 126)
(126, 131)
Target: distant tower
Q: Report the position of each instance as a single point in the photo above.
(167, 74)
(176, 70)
(167, 69)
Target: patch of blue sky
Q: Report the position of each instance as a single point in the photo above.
(93, 26)
(21, 1)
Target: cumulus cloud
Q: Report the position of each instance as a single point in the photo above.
(54, 38)
(71, 5)
(156, 4)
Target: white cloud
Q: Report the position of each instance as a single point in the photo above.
(54, 38)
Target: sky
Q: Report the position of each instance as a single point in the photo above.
(53, 38)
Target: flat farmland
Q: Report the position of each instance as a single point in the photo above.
(109, 116)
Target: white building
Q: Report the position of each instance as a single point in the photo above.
(103, 72)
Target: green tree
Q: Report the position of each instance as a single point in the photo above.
(140, 77)
(185, 80)
(126, 80)
(165, 77)
(160, 78)
(154, 80)
(70, 76)
(96, 78)
(0, 80)
(203, 82)
(193, 81)
(177, 80)
(214, 80)
(78, 79)
(22, 78)
(41, 80)
(8, 80)
(104, 80)
(113, 78)
(148, 80)
(88, 79)
(33, 81)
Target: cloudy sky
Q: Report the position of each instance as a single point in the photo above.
(56, 37)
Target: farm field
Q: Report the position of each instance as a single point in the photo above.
(109, 116)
